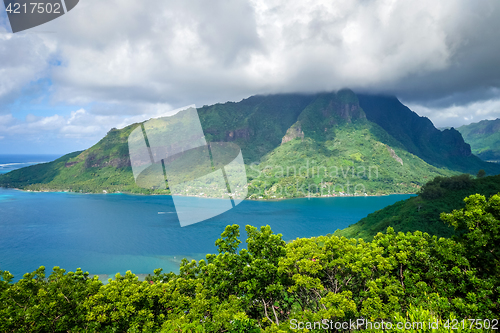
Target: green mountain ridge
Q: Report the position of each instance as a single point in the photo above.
(294, 145)
(418, 135)
(484, 138)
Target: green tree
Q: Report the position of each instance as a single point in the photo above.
(39, 304)
(479, 225)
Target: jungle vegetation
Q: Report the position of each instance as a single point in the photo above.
(442, 194)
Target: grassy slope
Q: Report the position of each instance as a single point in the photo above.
(39, 173)
(484, 138)
(422, 212)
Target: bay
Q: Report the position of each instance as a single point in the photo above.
(106, 234)
(109, 233)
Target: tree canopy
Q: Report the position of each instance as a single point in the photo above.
(274, 286)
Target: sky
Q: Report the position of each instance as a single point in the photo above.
(105, 64)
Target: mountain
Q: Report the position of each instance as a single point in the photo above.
(484, 138)
(418, 135)
(423, 211)
(294, 145)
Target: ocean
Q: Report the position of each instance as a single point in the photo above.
(12, 162)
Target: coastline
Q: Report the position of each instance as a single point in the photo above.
(202, 197)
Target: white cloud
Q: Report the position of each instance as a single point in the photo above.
(169, 54)
(23, 59)
(6, 119)
(80, 124)
(192, 52)
(124, 60)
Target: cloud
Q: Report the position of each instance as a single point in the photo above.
(6, 120)
(121, 59)
(23, 59)
(182, 52)
(159, 53)
(189, 50)
(458, 115)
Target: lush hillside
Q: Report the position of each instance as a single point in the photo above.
(293, 145)
(257, 124)
(484, 139)
(103, 167)
(318, 284)
(422, 212)
(333, 149)
(353, 160)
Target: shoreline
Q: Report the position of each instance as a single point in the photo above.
(195, 196)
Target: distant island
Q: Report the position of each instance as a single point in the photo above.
(294, 145)
(484, 138)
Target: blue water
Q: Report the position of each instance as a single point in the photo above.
(12, 162)
(110, 233)
(105, 234)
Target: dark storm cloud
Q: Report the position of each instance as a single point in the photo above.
(472, 65)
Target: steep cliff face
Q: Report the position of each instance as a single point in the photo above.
(342, 106)
(453, 139)
(257, 124)
(293, 132)
(241, 133)
(418, 135)
(351, 112)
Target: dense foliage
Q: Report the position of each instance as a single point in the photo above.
(442, 194)
(274, 286)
